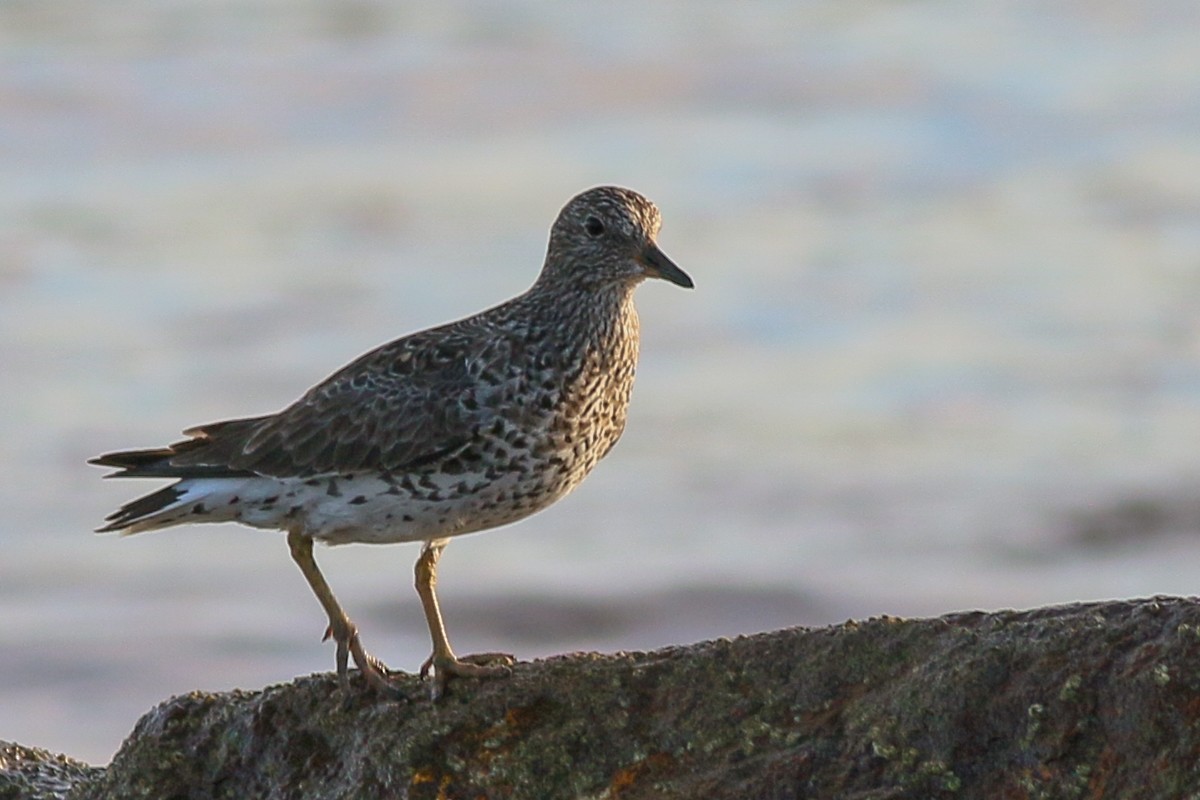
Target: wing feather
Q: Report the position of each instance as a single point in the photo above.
(408, 402)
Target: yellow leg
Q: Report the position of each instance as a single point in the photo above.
(443, 662)
(343, 631)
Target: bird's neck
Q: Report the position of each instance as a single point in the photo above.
(586, 313)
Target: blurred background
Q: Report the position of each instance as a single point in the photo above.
(942, 353)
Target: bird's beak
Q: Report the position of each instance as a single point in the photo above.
(659, 266)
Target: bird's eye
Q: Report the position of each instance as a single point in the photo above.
(593, 226)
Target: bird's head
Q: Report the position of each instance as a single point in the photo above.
(605, 236)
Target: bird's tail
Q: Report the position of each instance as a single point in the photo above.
(151, 511)
(189, 500)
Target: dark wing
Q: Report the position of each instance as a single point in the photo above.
(404, 404)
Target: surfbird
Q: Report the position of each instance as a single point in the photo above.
(455, 429)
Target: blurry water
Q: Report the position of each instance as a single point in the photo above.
(942, 353)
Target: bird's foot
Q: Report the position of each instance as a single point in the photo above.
(476, 665)
(349, 646)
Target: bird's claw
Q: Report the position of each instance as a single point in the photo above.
(373, 670)
(477, 665)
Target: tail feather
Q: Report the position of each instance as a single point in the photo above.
(133, 459)
(157, 463)
(206, 454)
(139, 510)
(205, 473)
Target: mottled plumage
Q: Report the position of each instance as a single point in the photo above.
(455, 429)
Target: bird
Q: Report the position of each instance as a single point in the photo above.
(456, 429)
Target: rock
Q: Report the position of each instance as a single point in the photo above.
(28, 773)
(1083, 701)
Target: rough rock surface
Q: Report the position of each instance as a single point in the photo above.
(1084, 701)
(30, 773)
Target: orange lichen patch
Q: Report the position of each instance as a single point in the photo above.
(477, 750)
(427, 775)
(628, 777)
(423, 775)
(520, 717)
(495, 739)
(515, 723)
